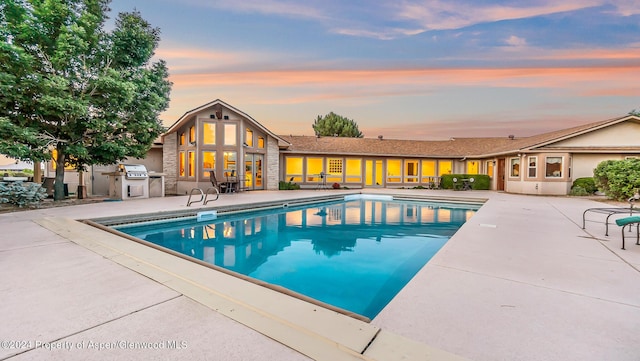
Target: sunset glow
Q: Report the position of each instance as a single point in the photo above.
(415, 69)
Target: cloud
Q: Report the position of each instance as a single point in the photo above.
(627, 7)
(290, 8)
(516, 41)
(448, 15)
(380, 34)
(515, 76)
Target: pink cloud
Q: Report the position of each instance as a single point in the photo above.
(437, 14)
(422, 78)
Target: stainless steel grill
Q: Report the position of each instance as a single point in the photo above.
(135, 171)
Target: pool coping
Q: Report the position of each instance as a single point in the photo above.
(106, 224)
(314, 331)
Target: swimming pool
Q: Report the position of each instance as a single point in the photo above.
(356, 254)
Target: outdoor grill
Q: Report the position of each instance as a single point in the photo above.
(135, 171)
(129, 181)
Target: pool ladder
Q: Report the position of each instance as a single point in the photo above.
(203, 195)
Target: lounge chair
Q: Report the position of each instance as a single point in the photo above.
(628, 221)
(609, 212)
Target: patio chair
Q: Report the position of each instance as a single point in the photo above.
(221, 187)
(232, 182)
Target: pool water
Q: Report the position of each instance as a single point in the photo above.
(356, 255)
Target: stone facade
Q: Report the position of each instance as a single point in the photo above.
(170, 162)
(273, 164)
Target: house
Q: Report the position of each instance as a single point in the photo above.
(221, 138)
(542, 164)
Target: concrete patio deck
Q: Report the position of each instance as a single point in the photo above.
(520, 280)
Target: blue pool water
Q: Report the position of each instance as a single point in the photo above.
(356, 255)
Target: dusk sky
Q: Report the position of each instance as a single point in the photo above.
(403, 69)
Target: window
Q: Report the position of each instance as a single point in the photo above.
(248, 138)
(394, 170)
(335, 170)
(293, 169)
(230, 134)
(314, 168)
(182, 163)
(261, 142)
(230, 160)
(473, 166)
(489, 168)
(515, 167)
(553, 167)
(192, 164)
(445, 167)
(192, 134)
(428, 170)
(411, 171)
(354, 171)
(208, 163)
(209, 133)
(533, 167)
(182, 138)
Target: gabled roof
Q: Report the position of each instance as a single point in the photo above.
(453, 148)
(191, 113)
(541, 140)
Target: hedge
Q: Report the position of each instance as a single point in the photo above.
(586, 183)
(480, 181)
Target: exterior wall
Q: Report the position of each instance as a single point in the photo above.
(170, 163)
(96, 183)
(534, 180)
(617, 135)
(153, 161)
(273, 164)
(219, 116)
(584, 164)
(71, 177)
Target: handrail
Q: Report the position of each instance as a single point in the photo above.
(208, 192)
(202, 196)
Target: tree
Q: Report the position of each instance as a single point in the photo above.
(73, 90)
(333, 124)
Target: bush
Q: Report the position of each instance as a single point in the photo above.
(579, 191)
(22, 194)
(587, 184)
(288, 186)
(618, 179)
(480, 181)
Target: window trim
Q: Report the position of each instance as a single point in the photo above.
(215, 133)
(352, 178)
(405, 171)
(534, 168)
(511, 164)
(394, 178)
(333, 176)
(206, 170)
(248, 137)
(546, 163)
